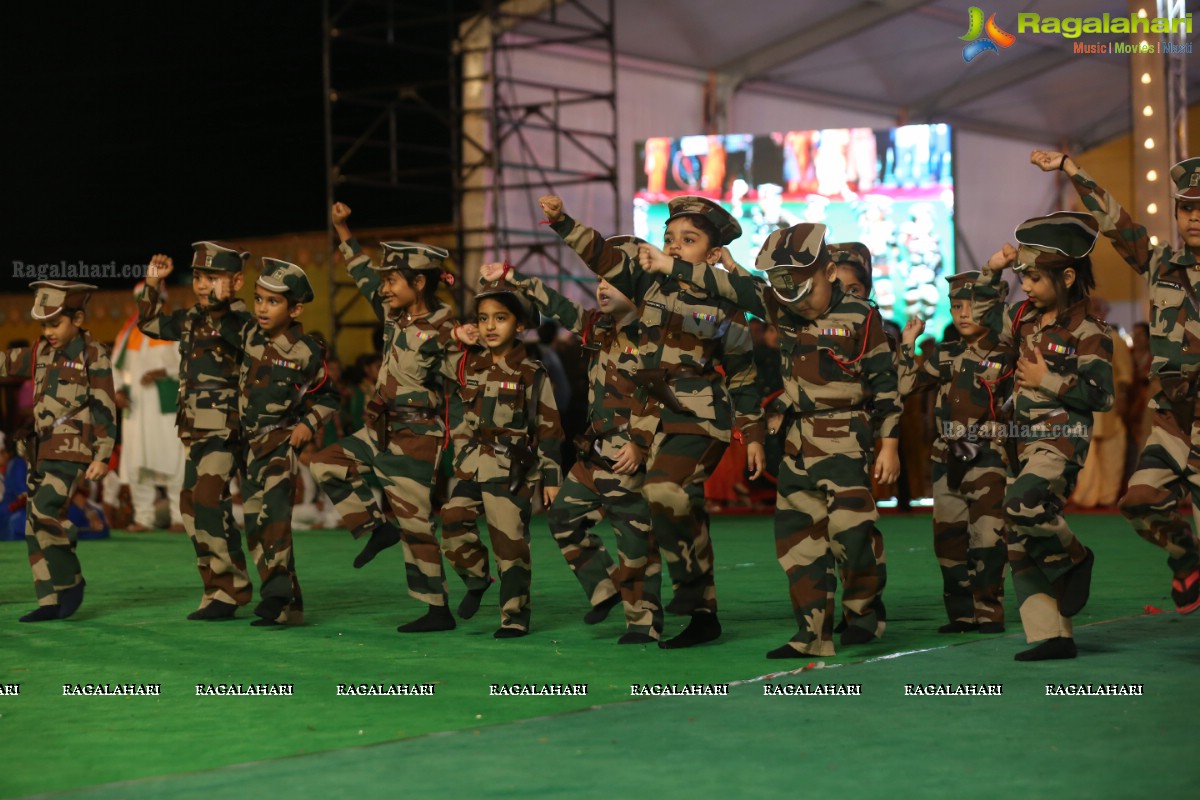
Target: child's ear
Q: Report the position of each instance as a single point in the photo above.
(295, 310)
(78, 318)
(237, 282)
(1068, 276)
(831, 272)
(418, 283)
(714, 255)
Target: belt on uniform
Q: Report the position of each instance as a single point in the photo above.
(209, 385)
(274, 426)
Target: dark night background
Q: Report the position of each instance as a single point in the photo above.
(136, 128)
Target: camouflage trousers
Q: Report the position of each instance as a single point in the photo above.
(968, 538)
(406, 470)
(676, 468)
(1167, 469)
(49, 535)
(267, 495)
(508, 528)
(824, 523)
(1041, 548)
(589, 493)
(207, 512)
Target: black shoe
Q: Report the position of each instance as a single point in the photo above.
(599, 612)
(69, 600)
(1058, 647)
(703, 628)
(679, 607)
(958, 627)
(263, 622)
(216, 610)
(1186, 593)
(787, 651)
(41, 614)
(471, 600)
(632, 637)
(437, 618)
(991, 627)
(383, 537)
(1076, 586)
(509, 633)
(270, 608)
(857, 636)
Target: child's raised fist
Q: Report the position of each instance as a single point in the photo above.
(159, 268)
(341, 213)
(912, 329)
(1002, 257)
(552, 206)
(493, 272)
(1047, 160)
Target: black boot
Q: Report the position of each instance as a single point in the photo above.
(385, 536)
(69, 600)
(1076, 586)
(599, 612)
(1058, 647)
(216, 610)
(437, 618)
(703, 628)
(471, 600)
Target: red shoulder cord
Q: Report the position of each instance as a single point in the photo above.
(989, 385)
(862, 352)
(587, 330)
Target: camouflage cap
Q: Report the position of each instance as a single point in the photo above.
(792, 257)
(962, 284)
(727, 227)
(287, 279)
(55, 297)
(1055, 241)
(411, 255)
(494, 289)
(1186, 175)
(216, 257)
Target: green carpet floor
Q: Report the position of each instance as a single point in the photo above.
(315, 744)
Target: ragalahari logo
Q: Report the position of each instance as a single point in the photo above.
(984, 44)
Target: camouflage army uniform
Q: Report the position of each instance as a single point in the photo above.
(282, 383)
(208, 426)
(74, 416)
(825, 512)
(969, 470)
(685, 334)
(1054, 423)
(407, 409)
(591, 489)
(508, 416)
(1169, 464)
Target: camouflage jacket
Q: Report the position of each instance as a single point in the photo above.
(615, 416)
(74, 412)
(413, 353)
(1173, 279)
(1078, 353)
(282, 383)
(972, 380)
(208, 365)
(504, 405)
(831, 366)
(688, 333)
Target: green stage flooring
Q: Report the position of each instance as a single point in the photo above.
(315, 744)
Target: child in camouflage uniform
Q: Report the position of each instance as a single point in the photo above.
(74, 419)
(685, 335)
(606, 480)
(1063, 376)
(1168, 467)
(405, 430)
(207, 416)
(284, 398)
(507, 439)
(972, 379)
(834, 356)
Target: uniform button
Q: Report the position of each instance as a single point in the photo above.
(802, 358)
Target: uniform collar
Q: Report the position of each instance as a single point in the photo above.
(514, 358)
(287, 338)
(75, 347)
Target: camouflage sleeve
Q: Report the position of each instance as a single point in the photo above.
(913, 378)
(550, 303)
(987, 304)
(16, 363)
(101, 404)
(743, 290)
(879, 367)
(1089, 388)
(151, 319)
(549, 434)
(358, 264)
(322, 400)
(741, 376)
(611, 263)
(1128, 238)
